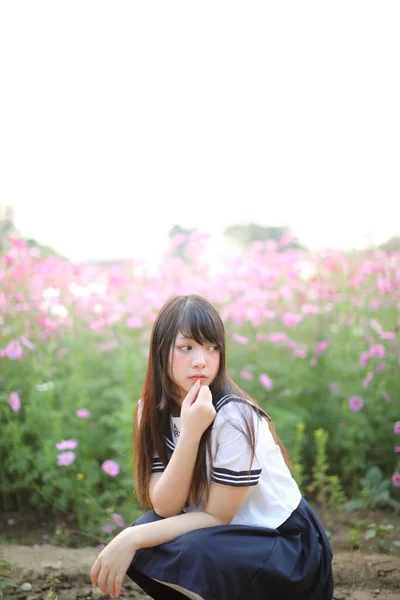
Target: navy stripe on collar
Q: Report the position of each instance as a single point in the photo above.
(229, 397)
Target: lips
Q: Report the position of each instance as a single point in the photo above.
(197, 377)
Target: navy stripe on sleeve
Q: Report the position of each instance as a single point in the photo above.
(157, 466)
(236, 478)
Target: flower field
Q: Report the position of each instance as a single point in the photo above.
(312, 336)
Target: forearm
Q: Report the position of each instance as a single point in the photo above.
(171, 491)
(161, 532)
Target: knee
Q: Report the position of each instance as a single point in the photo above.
(147, 517)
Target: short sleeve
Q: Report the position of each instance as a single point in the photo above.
(233, 463)
(157, 466)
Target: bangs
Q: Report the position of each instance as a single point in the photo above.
(200, 325)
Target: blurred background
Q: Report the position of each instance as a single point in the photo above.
(246, 152)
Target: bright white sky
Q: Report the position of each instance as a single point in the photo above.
(121, 119)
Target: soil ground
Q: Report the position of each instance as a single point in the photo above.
(366, 566)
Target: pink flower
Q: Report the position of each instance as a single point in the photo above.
(386, 397)
(14, 350)
(334, 388)
(14, 402)
(67, 445)
(118, 519)
(261, 337)
(247, 375)
(388, 335)
(107, 346)
(397, 448)
(377, 350)
(134, 322)
(376, 325)
(178, 240)
(275, 338)
(380, 367)
(110, 467)
(313, 361)
(364, 358)
(271, 245)
(240, 339)
(47, 324)
(396, 479)
(396, 428)
(291, 319)
(18, 243)
(266, 381)
(320, 347)
(356, 403)
(310, 309)
(367, 380)
(286, 239)
(27, 343)
(300, 352)
(108, 528)
(82, 413)
(65, 458)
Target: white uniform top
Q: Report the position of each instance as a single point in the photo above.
(273, 493)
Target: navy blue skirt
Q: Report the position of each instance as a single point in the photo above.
(239, 562)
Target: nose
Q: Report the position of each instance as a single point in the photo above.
(199, 359)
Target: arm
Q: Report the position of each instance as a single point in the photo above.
(169, 490)
(222, 505)
(113, 562)
(169, 493)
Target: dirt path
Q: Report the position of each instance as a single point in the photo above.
(358, 576)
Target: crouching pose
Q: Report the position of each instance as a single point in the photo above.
(226, 520)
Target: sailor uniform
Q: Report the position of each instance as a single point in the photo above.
(275, 546)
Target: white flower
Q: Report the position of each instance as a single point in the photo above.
(59, 310)
(43, 387)
(305, 269)
(97, 287)
(51, 292)
(78, 290)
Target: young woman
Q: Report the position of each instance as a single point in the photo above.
(227, 520)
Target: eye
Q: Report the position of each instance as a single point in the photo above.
(214, 348)
(184, 348)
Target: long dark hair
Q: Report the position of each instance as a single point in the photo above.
(195, 318)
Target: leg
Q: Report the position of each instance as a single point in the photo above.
(153, 588)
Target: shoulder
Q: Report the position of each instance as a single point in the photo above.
(234, 417)
(235, 410)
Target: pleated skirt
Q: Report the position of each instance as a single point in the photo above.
(240, 562)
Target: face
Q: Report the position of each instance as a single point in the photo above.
(190, 360)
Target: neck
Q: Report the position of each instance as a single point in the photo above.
(175, 410)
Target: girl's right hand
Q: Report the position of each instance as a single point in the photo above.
(197, 410)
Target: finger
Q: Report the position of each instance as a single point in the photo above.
(204, 394)
(94, 572)
(111, 586)
(102, 580)
(192, 393)
(118, 583)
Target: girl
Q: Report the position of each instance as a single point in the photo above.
(228, 520)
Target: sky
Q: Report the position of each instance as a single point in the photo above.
(121, 119)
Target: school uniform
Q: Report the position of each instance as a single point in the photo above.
(274, 548)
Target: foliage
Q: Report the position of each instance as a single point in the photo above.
(375, 492)
(314, 338)
(252, 232)
(297, 454)
(5, 581)
(326, 489)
